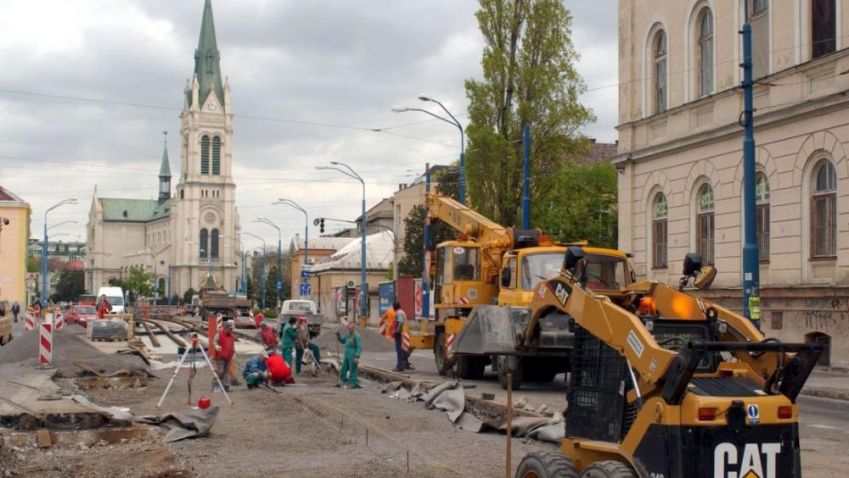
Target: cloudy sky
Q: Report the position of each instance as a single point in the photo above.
(88, 86)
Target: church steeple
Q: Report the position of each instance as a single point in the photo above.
(165, 173)
(207, 67)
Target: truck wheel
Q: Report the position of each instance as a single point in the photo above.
(608, 469)
(546, 465)
(470, 368)
(501, 363)
(443, 367)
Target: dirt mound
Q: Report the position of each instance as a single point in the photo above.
(372, 340)
(69, 345)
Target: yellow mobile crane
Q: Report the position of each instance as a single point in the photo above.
(665, 384)
(484, 281)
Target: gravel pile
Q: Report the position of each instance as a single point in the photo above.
(69, 345)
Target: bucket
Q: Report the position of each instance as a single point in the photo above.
(204, 402)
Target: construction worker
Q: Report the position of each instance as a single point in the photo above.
(288, 337)
(225, 349)
(353, 348)
(256, 371)
(279, 372)
(267, 335)
(387, 323)
(398, 332)
(103, 307)
(304, 342)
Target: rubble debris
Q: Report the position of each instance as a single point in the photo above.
(182, 426)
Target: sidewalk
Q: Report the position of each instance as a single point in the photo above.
(828, 385)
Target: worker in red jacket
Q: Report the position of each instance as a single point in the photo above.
(268, 336)
(279, 372)
(225, 349)
(103, 307)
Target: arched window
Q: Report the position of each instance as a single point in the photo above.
(660, 62)
(705, 53)
(216, 155)
(213, 244)
(762, 216)
(704, 224)
(824, 211)
(204, 240)
(823, 27)
(658, 237)
(204, 154)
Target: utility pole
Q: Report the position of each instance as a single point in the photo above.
(526, 177)
(426, 242)
(751, 272)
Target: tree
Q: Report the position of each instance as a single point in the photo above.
(412, 263)
(137, 282)
(585, 205)
(69, 286)
(33, 263)
(271, 286)
(529, 78)
(187, 296)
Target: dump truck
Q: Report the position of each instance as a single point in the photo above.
(666, 384)
(215, 300)
(485, 280)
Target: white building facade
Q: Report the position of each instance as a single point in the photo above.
(680, 153)
(179, 238)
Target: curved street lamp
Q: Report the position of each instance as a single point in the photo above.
(348, 171)
(305, 278)
(44, 270)
(262, 268)
(279, 254)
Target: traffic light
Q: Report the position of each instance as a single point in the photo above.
(321, 225)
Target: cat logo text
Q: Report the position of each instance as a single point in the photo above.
(756, 461)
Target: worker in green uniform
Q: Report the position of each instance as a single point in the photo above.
(353, 347)
(287, 342)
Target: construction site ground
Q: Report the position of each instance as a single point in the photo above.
(309, 429)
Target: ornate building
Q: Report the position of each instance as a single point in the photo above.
(183, 237)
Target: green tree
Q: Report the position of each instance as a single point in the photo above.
(187, 296)
(69, 286)
(585, 205)
(138, 282)
(529, 77)
(33, 263)
(271, 286)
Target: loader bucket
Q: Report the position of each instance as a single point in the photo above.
(490, 330)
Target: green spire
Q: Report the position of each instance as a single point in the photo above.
(165, 167)
(207, 67)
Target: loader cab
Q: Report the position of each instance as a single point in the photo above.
(604, 271)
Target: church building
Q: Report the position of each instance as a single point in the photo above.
(184, 236)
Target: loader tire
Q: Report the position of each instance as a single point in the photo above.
(470, 368)
(608, 469)
(443, 366)
(546, 465)
(518, 373)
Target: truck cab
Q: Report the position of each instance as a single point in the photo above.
(460, 279)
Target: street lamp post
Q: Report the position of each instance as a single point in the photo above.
(348, 171)
(305, 276)
(279, 254)
(452, 121)
(44, 270)
(261, 269)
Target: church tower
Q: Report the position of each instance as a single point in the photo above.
(165, 176)
(204, 217)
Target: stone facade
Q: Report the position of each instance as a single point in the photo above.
(680, 151)
(181, 238)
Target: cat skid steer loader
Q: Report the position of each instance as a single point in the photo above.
(667, 385)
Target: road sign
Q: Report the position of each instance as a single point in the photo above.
(305, 289)
(305, 273)
(279, 284)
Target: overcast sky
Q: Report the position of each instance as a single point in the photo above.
(309, 79)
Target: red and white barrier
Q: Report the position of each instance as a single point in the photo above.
(59, 320)
(45, 342)
(29, 321)
(405, 342)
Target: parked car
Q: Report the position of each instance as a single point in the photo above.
(80, 315)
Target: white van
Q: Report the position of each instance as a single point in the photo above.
(115, 296)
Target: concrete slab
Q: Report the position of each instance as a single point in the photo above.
(25, 389)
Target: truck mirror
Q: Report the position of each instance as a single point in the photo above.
(505, 277)
(574, 254)
(692, 264)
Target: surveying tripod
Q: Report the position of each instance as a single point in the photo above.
(195, 346)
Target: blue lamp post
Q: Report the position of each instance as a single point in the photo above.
(348, 171)
(751, 262)
(452, 121)
(305, 277)
(44, 246)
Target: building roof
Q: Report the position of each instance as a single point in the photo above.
(207, 58)
(134, 210)
(9, 196)
(600, 152)
(322, 243)
(380, 252)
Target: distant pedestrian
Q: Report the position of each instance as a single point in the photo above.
(287, 340)
(303, 342)
(258, 317)
(398, 332)
(36, 308)
(350, 364)
(225, 349)
(103, 307)
(16, 310)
